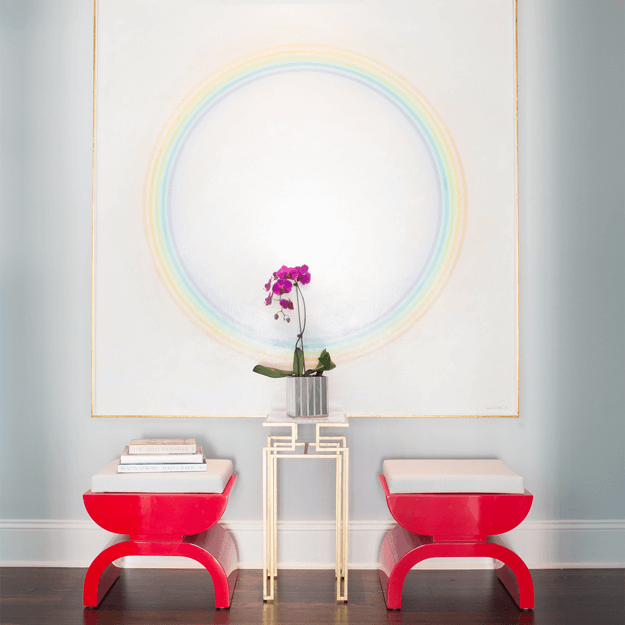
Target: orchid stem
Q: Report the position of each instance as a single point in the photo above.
(300, 336)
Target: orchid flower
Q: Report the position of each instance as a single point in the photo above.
(282, 282)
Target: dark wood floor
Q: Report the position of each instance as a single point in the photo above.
(49, 596)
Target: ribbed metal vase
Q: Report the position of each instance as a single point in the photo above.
(307, 397)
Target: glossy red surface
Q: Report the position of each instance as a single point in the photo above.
(220, 562)
(458, 525)
(152, 514)
(458, 516)
(162, 524)
(402, 550)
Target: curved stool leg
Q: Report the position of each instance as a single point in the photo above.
(396, 559)
(514, 574)
(402, 550)
(102, 573)
(214, 549)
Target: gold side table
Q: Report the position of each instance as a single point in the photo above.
(328, 445)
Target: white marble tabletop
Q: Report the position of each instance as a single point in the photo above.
(281, 418)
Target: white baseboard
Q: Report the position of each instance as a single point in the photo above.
(310, 545)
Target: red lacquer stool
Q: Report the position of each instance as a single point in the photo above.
(162, 524)
(455, 524)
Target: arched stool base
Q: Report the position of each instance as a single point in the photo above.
(214, 549)
(402, 550)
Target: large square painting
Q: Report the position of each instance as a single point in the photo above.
(374, 142)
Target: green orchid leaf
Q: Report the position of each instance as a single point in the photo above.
(325, 361)
(325, 364)
(298, 362)
(270, 372)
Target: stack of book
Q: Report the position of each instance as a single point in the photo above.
(159, 455)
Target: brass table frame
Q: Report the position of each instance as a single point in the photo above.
(327, 446)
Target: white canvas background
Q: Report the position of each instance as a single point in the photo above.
(305, 169)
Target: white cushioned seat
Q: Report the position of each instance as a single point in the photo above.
(213, 480)
(451, 476)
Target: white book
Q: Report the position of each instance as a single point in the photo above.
(162, 446)
(128, 458)
(160, 468)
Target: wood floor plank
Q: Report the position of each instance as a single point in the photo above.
(53, 596)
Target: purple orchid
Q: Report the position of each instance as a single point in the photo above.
(284, 281)
(303, 274)
(283, 272)
(282, 286)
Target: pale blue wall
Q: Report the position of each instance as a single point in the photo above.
(569, 440)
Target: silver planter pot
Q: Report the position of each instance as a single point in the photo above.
(307, 397)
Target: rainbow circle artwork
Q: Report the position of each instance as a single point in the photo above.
(419, 295)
